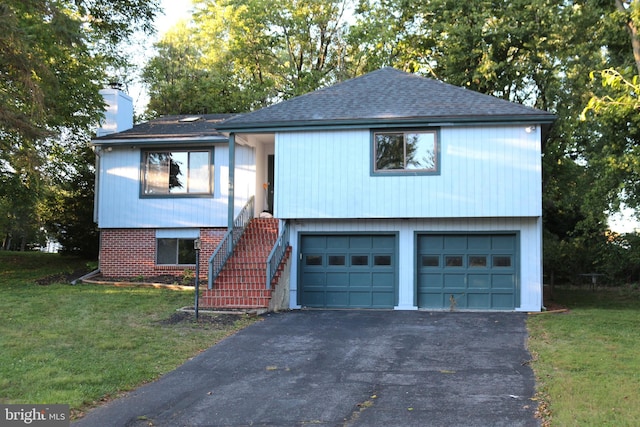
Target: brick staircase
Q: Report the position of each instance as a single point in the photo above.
(241, 283)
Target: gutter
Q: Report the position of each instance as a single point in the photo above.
(157, 141)
(256, 127)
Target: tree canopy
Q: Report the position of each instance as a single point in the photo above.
(54, 58)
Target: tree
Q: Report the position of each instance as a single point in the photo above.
(614, 109)
(238, 55)
(54, 57)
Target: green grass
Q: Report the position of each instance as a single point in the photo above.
(81, 344)
(587, 361)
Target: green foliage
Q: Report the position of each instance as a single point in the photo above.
(238, 55)
(69, 213)
(54, 57)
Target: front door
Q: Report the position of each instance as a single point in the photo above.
(270, 177)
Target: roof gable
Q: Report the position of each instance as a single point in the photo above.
(389, 96)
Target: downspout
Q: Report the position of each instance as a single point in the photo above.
(96, 198)
(96, 185)
(232, 170)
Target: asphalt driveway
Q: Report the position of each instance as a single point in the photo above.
(346, 368)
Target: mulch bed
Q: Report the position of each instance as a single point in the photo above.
(61, 277)
(163, 279)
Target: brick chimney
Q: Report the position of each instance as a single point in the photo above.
(118, 115)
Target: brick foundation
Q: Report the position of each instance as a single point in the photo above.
(132, 253)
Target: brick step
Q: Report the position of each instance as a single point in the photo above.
(249, 242)
(252, 293)
(248, 259)
(245, 249)
(241, 279)
(234, 302)
(244, 283)
(235, 265)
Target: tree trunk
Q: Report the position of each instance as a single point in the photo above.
(633, 35)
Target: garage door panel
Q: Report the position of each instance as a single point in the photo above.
(336, 280)
(504, 301)
(479, 243)
(478, 300)
(455, 281)
(359, 270)
(316, 279)
(505, 242)
(359, 299)
(314, 298)
(383, 242)
(479, 270)
(359, 280)
(381, 299)
(455, 243)
(502, 281)
(315, 242)
(383, 280)
(431, 300)
(479, 281)
(360, 242)
(332, 242)
(335, 299)
(431, 281)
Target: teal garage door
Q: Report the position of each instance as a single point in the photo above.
(461, 271)
(348, 271)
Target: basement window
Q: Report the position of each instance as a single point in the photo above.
(175, 246)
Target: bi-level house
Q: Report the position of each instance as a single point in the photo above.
(389, 190)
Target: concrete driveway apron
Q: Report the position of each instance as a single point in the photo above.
(346, 368)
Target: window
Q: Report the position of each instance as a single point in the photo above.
(337, 260)
(380, 260)
(314, 260)
(409, 151)
(175, 251)
(174, 173)
(453, 261)
(501, 261)
(430, 261)
(359, 260)
(477, 261)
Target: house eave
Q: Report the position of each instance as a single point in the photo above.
(337, 124)
(113, 142)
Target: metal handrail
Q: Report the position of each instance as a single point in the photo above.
(225, 248)
(277, 253)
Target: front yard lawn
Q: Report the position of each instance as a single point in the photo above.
(82, 344)
(587, 361)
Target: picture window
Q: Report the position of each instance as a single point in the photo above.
(176, 173)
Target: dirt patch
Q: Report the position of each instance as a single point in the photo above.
(61, 277)
(214, 319)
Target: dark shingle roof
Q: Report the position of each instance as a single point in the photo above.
(192, 126)
(386, 96)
